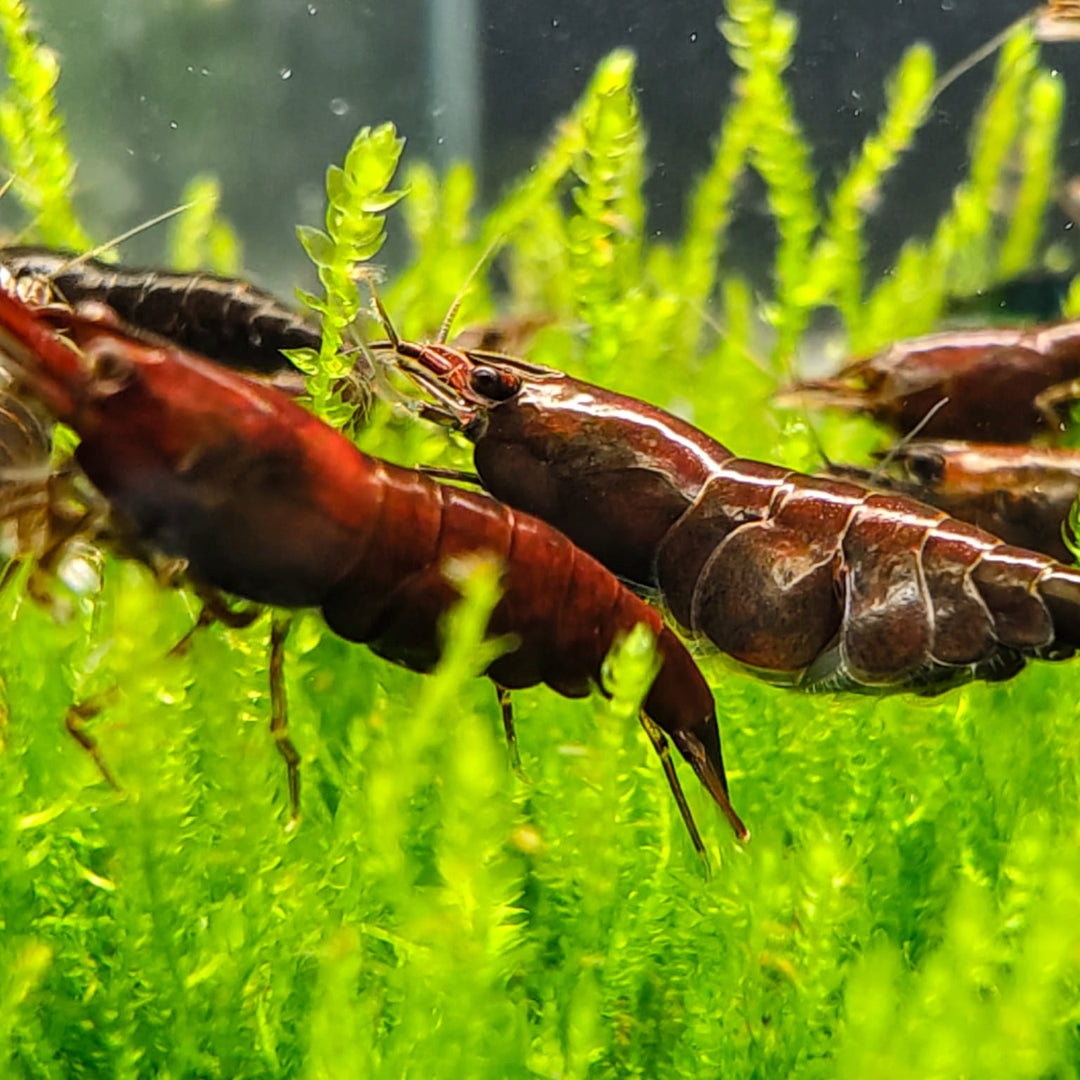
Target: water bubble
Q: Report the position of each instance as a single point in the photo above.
(693, 37)
(339, 106)
(285, 73)
(312, 9)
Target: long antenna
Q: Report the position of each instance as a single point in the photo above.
(101, 248)
(448, 322)
(962, 67)
(909, 438)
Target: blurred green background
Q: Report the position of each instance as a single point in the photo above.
(265, 93)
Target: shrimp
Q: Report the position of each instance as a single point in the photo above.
(225, 319)
(995, 385)
(25, 441)
(264, 501)
(1021, 494)
(812, 582)
(45, 517)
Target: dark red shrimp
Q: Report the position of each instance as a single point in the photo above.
(225, 319)
(1021, 494)
(1001, 385)
(264, 501)
(815, 582)
(39, 509)
(25, 443)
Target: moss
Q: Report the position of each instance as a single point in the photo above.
(200, 238)
(33, 131)
(357, 201)
(959, 257)
(1037, 147)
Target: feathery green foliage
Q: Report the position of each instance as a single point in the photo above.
(836, 272)
(1071, 307)
(438, 219)
(1037, 145)
(34, 134)
(357, 199)
(710, 214)
(603, 234)
(959, 256)
(995, 134)
(906, 904)
(1070, 531)
(200, 238)
(761, 40)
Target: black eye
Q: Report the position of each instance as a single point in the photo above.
(497, 385)
(110, 369)
(926, 468)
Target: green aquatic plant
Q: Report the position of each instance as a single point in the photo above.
(438, 219)
(836, 271)
(357, 201)
(761, 40)
(905, 903)
(1071, 307)
(603, 233)
(33, 132)
(959, 257)
(1070, 530)
(200, 238)
(1037, 146)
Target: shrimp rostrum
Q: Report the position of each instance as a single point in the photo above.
(814, 582)
(264, 501)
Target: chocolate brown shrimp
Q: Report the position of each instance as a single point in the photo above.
(995, 385)
(228, 320)
(814, 582)
(1021, 494)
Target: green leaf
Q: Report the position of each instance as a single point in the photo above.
(355, 231)
(306, 360)
(319, 246)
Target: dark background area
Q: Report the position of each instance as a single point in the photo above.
(267, 93)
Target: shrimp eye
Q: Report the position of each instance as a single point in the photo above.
(926, 468)
(491, 383)
(111, 370)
